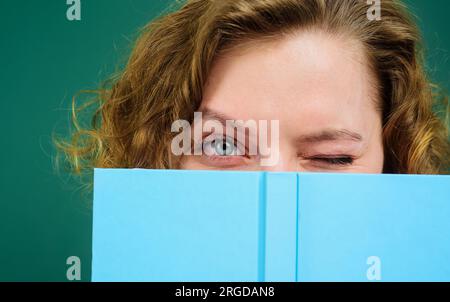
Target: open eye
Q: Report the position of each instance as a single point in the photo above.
(223, 146)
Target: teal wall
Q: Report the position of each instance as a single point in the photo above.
(44, 61)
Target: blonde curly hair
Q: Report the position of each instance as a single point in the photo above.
(166, 72)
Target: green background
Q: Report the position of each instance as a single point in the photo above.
(45, 59)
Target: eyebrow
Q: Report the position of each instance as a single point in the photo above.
(211, 114)
(330, 135)
(317, 137)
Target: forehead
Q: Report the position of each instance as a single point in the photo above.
(308, 79)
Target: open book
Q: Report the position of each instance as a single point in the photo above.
(179, 225)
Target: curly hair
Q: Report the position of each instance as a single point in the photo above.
(166, 72)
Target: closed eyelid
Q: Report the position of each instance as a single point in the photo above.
(342, 158)
(330, 163)
(332, 148)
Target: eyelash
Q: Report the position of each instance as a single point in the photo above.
(336, 161)
(341, 160)
(236, 145)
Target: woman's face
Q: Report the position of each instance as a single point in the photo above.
(317, 86)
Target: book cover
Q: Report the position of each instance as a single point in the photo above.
(180, 225)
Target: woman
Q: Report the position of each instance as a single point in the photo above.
(349, 91)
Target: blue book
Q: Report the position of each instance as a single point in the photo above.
(180, 225)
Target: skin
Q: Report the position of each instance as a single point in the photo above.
(318, 86)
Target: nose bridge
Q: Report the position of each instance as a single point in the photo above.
(281, 156)
(286, 162)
